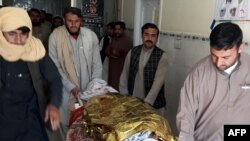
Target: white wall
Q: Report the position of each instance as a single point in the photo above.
(192, 17)
(126, 12)
(183, 52)
(110, 11)
(189, 16)
(185, 27)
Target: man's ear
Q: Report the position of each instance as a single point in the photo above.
(242, 46)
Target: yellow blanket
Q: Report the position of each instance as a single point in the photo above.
(115, 117)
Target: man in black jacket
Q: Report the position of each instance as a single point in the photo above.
(24, 71)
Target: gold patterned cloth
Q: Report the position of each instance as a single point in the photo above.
(115, 117)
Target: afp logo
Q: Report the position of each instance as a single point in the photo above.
(237, 132)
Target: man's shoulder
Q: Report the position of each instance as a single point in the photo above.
(203, 64)
(86, 30)
(138, 47)
(245, 56)
(244, 59)
(58, 30)
(159, 49)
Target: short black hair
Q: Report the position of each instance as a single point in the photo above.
(226, 36)
(24, 29)
(111, 24)
(73, 10)
(34, 10)
(122, 24)
(149, 25)
(57, 17)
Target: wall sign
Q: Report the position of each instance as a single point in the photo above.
(93, 12)
(232, 10)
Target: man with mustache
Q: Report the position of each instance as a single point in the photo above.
(145, 69)
(75, 51)
(217, 90)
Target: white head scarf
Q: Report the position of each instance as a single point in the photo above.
(12, 18)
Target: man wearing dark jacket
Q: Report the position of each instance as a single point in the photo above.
(25, 70)
(145, 70)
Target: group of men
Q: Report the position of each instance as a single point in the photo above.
(35, 85)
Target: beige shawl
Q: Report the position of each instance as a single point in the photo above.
(64, 54)
(12, 18)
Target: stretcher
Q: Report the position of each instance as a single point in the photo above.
(116, 117)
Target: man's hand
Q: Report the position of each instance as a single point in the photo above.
(52, 114)
(148, 101)
(75, 91)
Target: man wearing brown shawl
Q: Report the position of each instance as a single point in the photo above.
(24, 67)
(116, 52)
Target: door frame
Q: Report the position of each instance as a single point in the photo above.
(138, 20)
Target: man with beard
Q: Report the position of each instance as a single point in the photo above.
(39, 29)
(116, 53)
(217, 90)
(75, 51)
(145, 69)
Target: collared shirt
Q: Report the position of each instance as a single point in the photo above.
(230, 69)
(211, 98)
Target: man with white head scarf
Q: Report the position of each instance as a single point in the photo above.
(24, 70)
